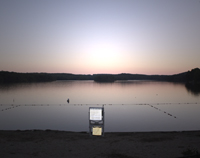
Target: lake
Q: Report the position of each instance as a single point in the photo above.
(130, 106)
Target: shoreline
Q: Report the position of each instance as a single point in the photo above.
(53, 143)
(87, 132)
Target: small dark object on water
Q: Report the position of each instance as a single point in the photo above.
(68, 100)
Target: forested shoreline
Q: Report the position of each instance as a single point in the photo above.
(190, 77)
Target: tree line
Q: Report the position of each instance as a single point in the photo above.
(14, 77)
(193, 81)
(191, 77)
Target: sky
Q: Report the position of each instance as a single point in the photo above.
(100, 36)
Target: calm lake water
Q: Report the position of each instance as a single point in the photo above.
(129, 106)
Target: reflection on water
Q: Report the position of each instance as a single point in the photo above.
(129, 106)
(193, 89)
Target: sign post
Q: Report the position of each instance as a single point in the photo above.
(96, 121)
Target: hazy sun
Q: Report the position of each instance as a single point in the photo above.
(104, 54)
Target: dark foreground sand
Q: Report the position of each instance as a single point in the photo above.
(59, 144)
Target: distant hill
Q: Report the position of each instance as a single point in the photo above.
(173, 78)
(14, 77)
(191, 77)
(104, 78)
(193, 81)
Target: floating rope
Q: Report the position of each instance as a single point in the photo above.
(95, 104)
(12, 107)
(145, 104)
(162, 111)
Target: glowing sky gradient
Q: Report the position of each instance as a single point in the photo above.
(100, 36)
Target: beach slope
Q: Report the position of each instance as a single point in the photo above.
(49, 143)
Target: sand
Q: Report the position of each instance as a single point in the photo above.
(60, 144)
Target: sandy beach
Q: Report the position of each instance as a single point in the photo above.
(48, 143)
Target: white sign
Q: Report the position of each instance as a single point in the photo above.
(95, 114)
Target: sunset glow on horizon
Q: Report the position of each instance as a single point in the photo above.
(107, 36)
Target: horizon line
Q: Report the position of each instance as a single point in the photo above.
(95, 73)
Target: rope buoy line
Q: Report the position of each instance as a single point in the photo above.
(2, 104)
(16, 105)
(151, 105)
(96, 104)
(9, 108)
(162, 111)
